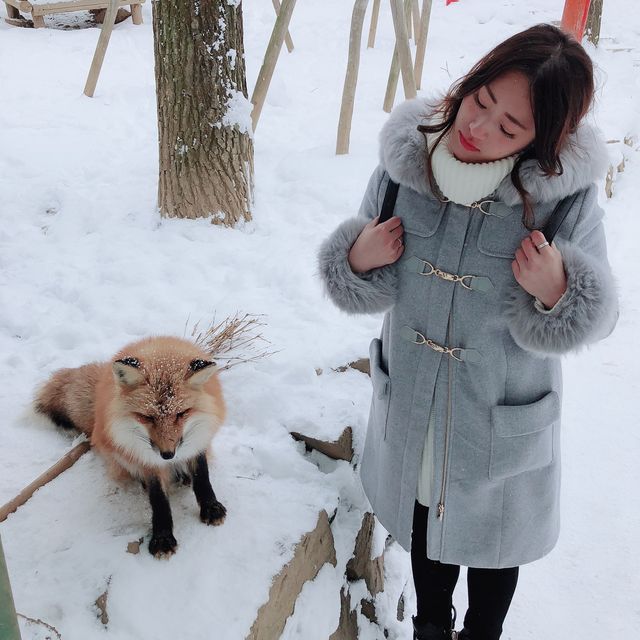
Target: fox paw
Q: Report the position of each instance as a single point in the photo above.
(163, 545)
(213, 513)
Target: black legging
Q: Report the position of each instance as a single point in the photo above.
(490, 590)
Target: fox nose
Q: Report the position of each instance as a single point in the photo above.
(167, 455)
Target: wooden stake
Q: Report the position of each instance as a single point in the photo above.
(270, 59)
(401, 59)
(287, 39)
(421, 44)
(375, 12)
(67, 460)
(408, 8)
(351, 77)
(136, 13)
(415, 12)
(101, 49)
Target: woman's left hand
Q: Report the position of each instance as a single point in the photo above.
(540, 271)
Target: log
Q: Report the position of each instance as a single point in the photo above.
(67, 460)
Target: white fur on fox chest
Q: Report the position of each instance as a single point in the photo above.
(131, 438)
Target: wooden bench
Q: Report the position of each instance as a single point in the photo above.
(40, 8)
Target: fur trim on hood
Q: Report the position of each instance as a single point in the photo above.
(403, 154)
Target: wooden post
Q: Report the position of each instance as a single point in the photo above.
(401, 59)
(375, 12)
(594, 21)
(415, 12)
(408, 8)
(101, 49)
(136, 13)
(12, 12)
(351, 77)
(287, 39)
(421, 44)
(270, 59)
(38, 21)
(63, 464)
(9, 629)
(574, 17)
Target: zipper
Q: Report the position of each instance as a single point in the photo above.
(447, 428)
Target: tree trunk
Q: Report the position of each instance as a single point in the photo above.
(593, 21)
(204, 124)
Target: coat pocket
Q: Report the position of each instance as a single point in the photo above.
(381, 388)
(522, 436)
(500, 237)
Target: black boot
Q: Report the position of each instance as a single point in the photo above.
(430, 631)
(465, 634)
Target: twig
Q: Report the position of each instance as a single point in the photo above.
(67, 460)
(43, 623)
(226, 339)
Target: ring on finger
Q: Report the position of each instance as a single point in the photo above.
(542, 245)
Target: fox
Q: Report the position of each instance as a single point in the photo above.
(151, 413)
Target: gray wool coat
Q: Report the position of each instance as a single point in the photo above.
(496, 399)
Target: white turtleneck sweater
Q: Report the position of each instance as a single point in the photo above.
(462, 183)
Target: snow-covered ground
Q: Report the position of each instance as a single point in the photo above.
(86, 265)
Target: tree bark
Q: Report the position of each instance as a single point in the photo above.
(204, 125)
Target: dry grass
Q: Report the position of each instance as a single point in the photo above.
(234, 340)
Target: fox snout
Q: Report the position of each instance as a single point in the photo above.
(167, 455)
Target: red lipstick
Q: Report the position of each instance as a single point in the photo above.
(466, 144)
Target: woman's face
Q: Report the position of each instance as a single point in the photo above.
(495, 122)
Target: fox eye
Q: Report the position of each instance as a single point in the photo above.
(146, 419)
(182, 414)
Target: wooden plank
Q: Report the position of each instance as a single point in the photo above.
(43, 8)
(101, 49)
(22, 5)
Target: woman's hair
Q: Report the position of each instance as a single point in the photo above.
(560, 75)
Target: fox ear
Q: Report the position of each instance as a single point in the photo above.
(127, 372)
(200, 371)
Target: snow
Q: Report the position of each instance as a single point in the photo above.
(87, 265)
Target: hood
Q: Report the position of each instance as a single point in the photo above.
(403, 154)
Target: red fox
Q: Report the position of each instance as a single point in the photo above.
(151, 412)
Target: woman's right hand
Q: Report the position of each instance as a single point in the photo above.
(377, 245)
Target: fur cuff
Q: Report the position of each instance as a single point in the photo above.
(587, 311)
(370, 292)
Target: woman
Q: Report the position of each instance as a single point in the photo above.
(461, 462)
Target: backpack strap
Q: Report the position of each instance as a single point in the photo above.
(558, 217)
(389, 202)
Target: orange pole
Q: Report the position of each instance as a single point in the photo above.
(574, 17)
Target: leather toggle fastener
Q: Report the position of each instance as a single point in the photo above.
(470, 282)
(457, 353)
